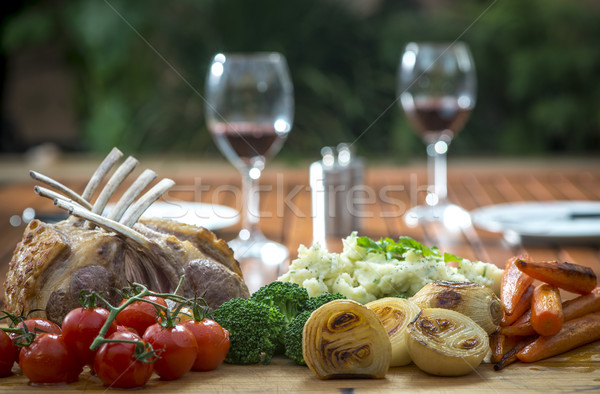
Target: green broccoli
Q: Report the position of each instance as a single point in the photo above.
(254, 330)
(293, 332)
(293, 337)
(315, 302)
(290, 298)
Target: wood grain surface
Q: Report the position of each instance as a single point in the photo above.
(574, 371)
(286, 217)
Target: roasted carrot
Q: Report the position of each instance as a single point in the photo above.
(572, 309)
(501, 345)
(514, 284)
(546, 310)
(575, 333)
(497, 346)
(571, 277)
(511, 355)
(582, 305)
(522, 306)
(522, 327)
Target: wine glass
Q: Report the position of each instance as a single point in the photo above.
(436, 88)
(249, 111)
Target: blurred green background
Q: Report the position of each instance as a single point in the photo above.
(92, 74)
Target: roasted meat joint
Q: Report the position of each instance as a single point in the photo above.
(103, 251)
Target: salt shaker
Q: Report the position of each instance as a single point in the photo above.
(335, 181)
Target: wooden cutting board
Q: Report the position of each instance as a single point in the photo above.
(578, 370)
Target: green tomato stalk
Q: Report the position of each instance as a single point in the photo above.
(25, 337)
(143, 351)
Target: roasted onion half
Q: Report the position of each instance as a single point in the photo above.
(395, 314)
(345, 339)
(444, 342)
(476, 301)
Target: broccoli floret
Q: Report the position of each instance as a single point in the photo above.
(293, 332)
(290, 298)
(254, 330)
(315, 302)
(293, 337)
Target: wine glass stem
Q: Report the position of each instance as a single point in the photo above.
(250, 203)
(436, 162)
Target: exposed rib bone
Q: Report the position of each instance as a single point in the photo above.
(109, 161)
(103, 222)
(115, 180)
(137, 210)
(131, 194)
(51, 194)
(60, 187)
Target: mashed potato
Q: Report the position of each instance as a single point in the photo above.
(365, 276)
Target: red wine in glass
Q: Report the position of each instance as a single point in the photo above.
(432, 117)
(247, 140)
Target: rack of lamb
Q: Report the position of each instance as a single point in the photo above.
(89, 251)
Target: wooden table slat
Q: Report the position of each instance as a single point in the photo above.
(396, 190)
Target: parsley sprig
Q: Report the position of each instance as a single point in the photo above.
(396, 249)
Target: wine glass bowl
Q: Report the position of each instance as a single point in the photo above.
(249, 112)
(437, 91)
(249, 105)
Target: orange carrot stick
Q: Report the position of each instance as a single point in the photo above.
(514, 284)
(572, 309)
(522, 327)
(582, 305)
(522, 306)
(571, 277)
(511, 356)
(546, 310)
(501, 345)
(497, 346)
(575, 333)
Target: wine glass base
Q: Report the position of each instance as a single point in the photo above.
(260, 259)
(450, 216)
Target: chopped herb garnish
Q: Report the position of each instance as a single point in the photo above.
(450, 257)
(396, 249)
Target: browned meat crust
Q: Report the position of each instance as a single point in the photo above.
(203, 239)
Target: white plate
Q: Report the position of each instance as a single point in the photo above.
(552, 221)
(210, 216)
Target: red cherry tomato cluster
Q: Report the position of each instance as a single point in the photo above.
(122, 345)
(140, 315)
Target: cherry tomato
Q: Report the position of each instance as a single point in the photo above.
(213, 343)
(8, 354)
(123, 328)
(116, 365)
(81, 326)
(179, 350)
(17, 349)
(140, 315)
(38, 325)
(48, 360)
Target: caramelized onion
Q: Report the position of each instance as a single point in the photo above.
(344, 339)
(444, 342)
(476, 301)
(395, 314)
